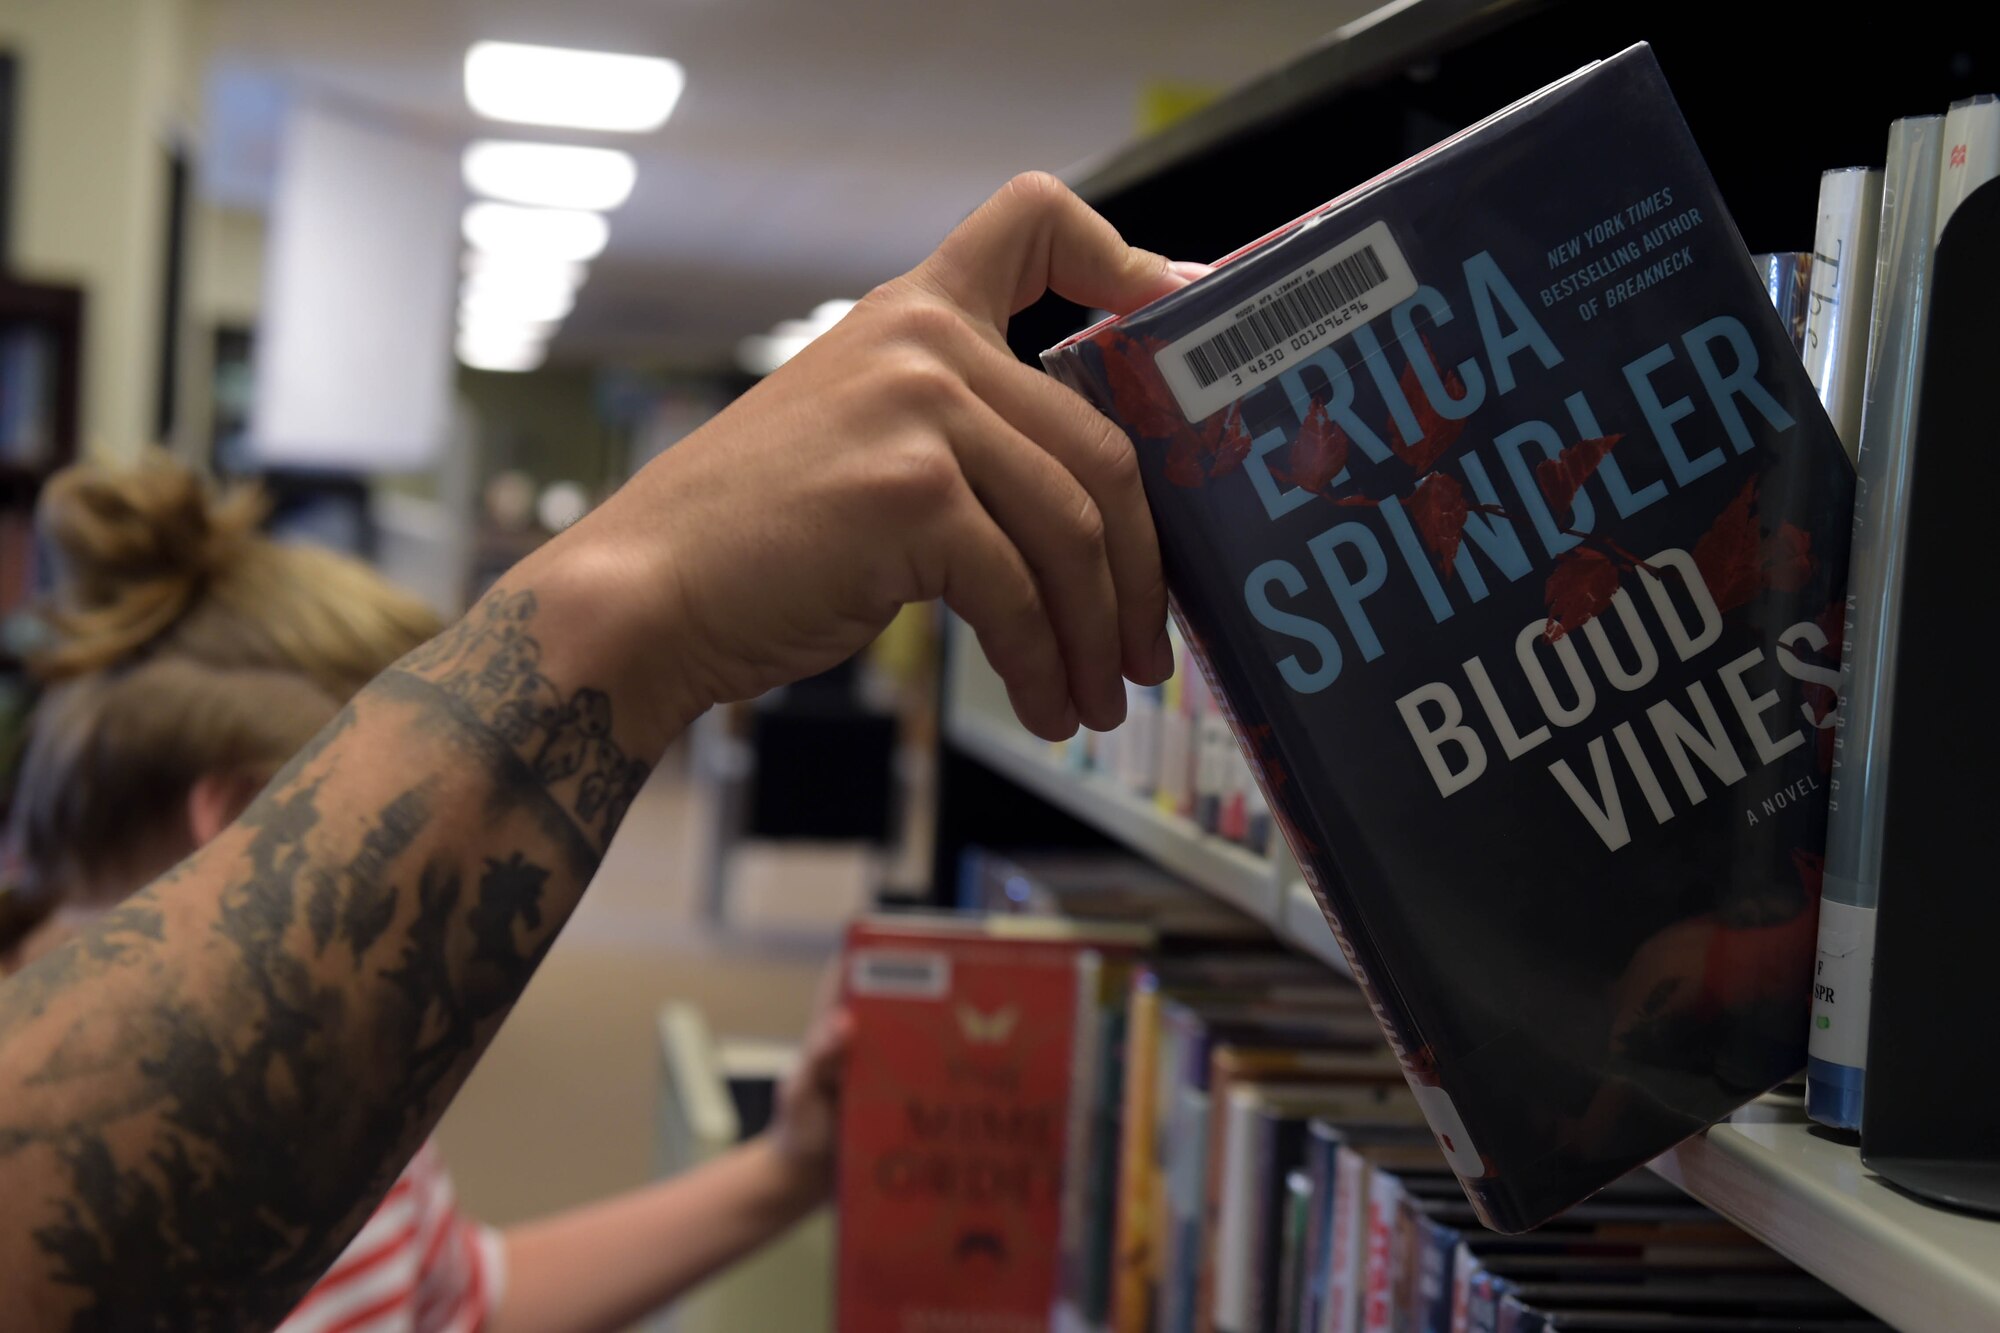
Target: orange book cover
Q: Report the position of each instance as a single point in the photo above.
(954, 1121)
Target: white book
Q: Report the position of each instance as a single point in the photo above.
(1843, 285)
(1838, 1036)
(1971, 153)
(1235, 1259)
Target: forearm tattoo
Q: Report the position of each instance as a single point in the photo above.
(221, 1132)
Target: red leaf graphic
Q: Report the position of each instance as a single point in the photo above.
(1580, 586)
(1319, 454)
(1228, 452)
(1184, 465)
(1727, 554)
(1788, 561)
(1139, 398)
(1437, 508)
(1560, 478)
(1434, 433)
(1738, 562)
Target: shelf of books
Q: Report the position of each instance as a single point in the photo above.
(980, 723)
(1805, 1193)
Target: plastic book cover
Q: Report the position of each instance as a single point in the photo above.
(955, 1118)
(1508, 524)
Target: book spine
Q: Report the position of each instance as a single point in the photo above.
(1464, 1272)
(1970, 154)
(1173, 783)
(1346, 1243)
(1378, 1272)
(1836, 352)
(1238, 1188)
(1838, 1036)
(1788, 281)
(1295, 1263)
(1100, 1233)
(1180, 1266)
(1084, 1046)
(1131, 1292)
(1139, 744)
(1322, 1160)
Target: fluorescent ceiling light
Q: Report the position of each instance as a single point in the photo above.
(553, 235)
(532, 295)
(479, 267)
(581, 90)
(762, 353)
(550, 175)
(523, 305)
(501, 349)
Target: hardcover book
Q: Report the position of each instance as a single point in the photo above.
(956, 1117)
(1501, 511)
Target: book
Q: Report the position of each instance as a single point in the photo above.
(1188, 987)
(1294, 1269)
(1270, 1040)
(1347, 1054)
(1263, 1141)
(1837, 1041)
(1332, 1191)
(1788, 281)
(1843, 293)
(1420, 523)
(1097, 1060)
(1971, 153)
(956, 1112)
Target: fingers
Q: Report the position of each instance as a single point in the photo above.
(988, 584)
(1061, 534)
(1036, 236)
(1101, 459)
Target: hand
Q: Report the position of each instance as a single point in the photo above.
(806, 1128)
(906, 455)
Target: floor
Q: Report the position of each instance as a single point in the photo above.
(561, 1110)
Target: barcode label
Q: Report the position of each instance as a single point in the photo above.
(899, 974)
(1324, 301)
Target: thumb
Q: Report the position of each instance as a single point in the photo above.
(1036, 236)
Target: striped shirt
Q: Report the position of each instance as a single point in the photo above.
(418, 1266)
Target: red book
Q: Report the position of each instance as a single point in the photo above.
(954, 1118)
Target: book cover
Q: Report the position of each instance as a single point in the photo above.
(1294, 1260)
(1837, 1044)
(1505, 518)
(954, 1118)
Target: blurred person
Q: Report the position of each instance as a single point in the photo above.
(192, 657)
(206, 1090)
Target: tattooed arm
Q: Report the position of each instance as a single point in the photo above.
(204, 1093)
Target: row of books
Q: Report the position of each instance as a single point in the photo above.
(1175, 749)
(1860, 302)
(1089, 1126)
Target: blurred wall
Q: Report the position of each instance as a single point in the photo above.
(105, 87)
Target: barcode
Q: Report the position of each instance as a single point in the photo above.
(1264, 328)
(904, 975)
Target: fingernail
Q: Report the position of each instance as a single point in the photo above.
(1163, 658)
(1188, 269)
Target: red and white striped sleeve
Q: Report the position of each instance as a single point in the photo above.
(418, 1266)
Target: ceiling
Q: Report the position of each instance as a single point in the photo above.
(820, 146)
